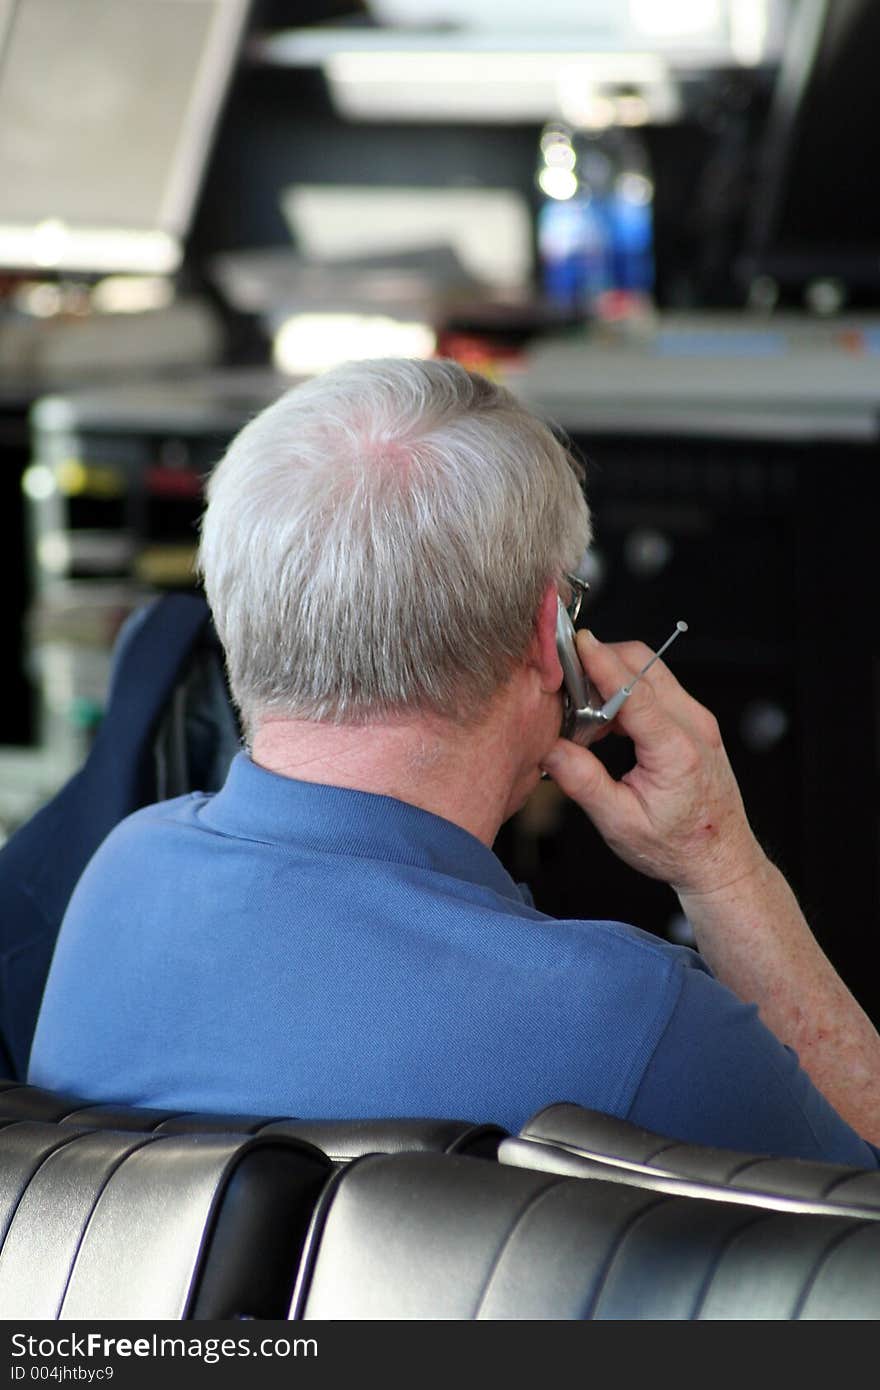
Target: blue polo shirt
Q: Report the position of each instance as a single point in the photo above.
(286, 948)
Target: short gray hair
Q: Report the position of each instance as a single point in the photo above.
(378, 540)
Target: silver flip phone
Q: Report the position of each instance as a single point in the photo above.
(582, 716)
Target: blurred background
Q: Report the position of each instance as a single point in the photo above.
(656, 220)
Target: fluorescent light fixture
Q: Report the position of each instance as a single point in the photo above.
(499, 16)
(603, 20)
(677, 18)
(479, 85)
(53, 245)
(309, 343)
(107, 111)
(493, 61)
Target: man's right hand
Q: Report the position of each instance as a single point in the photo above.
(677, 815)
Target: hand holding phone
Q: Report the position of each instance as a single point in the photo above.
(677, 814)
(583, 717)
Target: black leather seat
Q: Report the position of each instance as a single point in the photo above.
(570, 1140)
(341, 1140)
(120, 1212)
(344, 1140)
(108, 1224)
(424, 1236)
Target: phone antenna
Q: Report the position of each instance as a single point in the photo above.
(611, 706)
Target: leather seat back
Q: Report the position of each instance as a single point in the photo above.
(115, 1225)
(341, 1140)
(344, 1140)
(574, 1141)
(424, 1236)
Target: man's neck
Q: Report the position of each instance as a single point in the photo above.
(468, 775)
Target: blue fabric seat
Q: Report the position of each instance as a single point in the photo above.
(149, 745)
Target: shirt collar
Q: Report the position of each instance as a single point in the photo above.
(255, 804)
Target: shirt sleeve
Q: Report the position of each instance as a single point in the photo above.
(718, 1076)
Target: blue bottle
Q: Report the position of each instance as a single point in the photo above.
(632, 220)
(573, 237)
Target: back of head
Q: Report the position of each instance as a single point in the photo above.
(377, 542)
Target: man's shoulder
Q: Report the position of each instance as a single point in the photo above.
(629, 978)
(141, 834)
(630, 944)
(178, 810)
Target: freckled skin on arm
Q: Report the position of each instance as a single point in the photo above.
(678, 816)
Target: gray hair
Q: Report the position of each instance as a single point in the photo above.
(378, 540)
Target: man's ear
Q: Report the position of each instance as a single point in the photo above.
(543, 653)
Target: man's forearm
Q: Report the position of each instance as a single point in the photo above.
(678, 816)
(756, 941)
